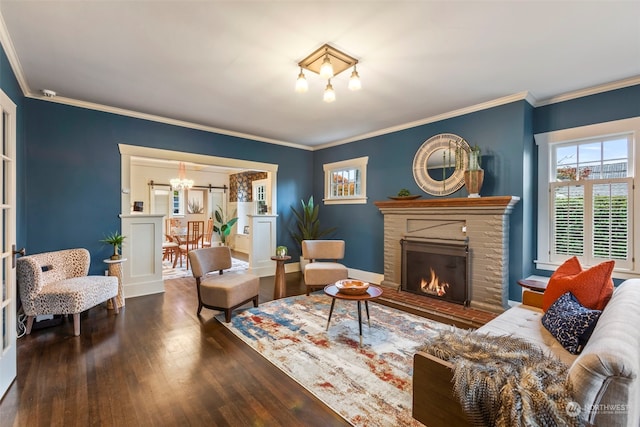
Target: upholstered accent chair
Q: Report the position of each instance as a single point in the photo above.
(219, 289)
(323, 268)
(54, 283)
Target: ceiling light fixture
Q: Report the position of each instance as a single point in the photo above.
(301, 84)
(326, 69)
(354, 80)
(181, 183)
(328, 62)
(329, 93)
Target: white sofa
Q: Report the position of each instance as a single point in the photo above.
(604, 375)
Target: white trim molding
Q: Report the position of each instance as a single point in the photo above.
(544, 141)
(359, 163)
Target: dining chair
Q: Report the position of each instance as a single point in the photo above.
(170, 249)
(208, 234)
(170, 224)
(192, 240)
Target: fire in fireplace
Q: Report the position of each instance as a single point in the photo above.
(436, 269)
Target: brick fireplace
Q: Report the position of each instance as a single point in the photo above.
(480, 223)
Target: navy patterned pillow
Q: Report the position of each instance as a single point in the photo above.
(570, 322)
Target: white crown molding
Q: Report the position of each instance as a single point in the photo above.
(632, 81)
(462, 111)
(7, 44)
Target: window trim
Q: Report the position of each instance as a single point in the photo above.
(357, 163)
(545, 142)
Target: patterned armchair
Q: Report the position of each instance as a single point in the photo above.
(57, 283)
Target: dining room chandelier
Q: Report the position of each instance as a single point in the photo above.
(181, 183)
(328, 62)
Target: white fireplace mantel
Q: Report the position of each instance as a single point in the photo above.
(482, 222)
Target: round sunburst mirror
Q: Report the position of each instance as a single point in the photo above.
(439, 164)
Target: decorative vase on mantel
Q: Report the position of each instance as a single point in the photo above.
(474, 175)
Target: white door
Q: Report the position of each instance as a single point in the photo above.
(8, 232)
(260, 189)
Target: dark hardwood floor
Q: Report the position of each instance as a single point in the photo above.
(155, 364)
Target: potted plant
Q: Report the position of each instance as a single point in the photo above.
(474, 175)
(223, 226)
(308, 224)
(116, 239)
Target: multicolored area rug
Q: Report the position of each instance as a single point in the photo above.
(168, 272)
(368, 386)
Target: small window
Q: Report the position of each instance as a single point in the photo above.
(346, 181)
(177, 203)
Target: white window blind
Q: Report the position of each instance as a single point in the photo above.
(611, 221)
(568, 230)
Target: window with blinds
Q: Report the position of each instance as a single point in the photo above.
(591, 188)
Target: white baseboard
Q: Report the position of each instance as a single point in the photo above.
(354, 273)
(366, 276)
(143, 288)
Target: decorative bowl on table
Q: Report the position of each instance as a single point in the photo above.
(352, 287)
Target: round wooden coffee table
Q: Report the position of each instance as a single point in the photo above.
(373, 292)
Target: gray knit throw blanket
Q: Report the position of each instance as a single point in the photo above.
(505, 381)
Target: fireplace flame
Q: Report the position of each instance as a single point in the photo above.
(434, 286)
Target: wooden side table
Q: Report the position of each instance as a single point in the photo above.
(373, 292)
(280, 283)
(115, 269)
(533, 292)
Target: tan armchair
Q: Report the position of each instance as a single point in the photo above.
(323, 268)
(221, 290)
(57, 283)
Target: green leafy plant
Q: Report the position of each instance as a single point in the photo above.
(116, 240)
(221, 225)
(474, 157)
(308, 224)
(404, 192)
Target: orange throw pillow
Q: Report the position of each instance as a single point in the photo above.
(592, 287)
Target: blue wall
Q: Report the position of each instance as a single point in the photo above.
(503, 133)
(73, 172)
(599, 108)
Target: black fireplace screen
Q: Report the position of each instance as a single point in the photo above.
(437, 270)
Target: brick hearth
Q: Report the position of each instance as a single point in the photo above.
(438, 310)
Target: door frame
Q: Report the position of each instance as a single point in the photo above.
(8, 296)
(129, 151)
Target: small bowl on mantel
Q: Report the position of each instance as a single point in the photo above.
(352, 287)
(409, 197)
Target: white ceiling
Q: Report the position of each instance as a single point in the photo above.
(232, 65)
